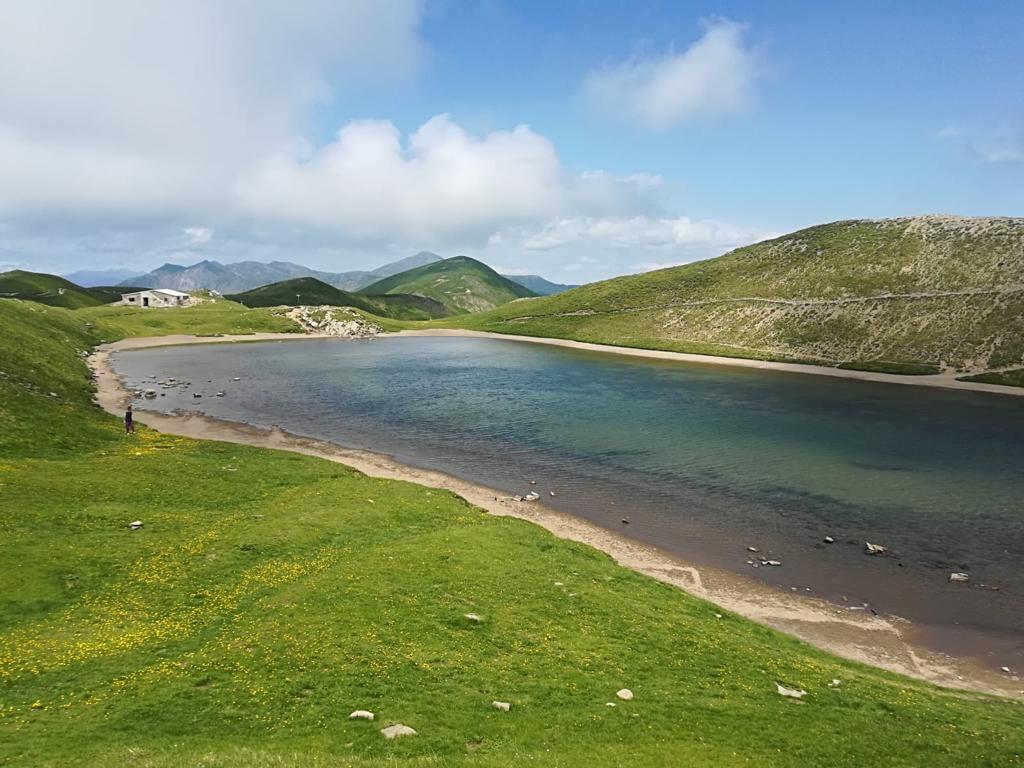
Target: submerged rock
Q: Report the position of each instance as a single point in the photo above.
(874, 549)
(961, 577)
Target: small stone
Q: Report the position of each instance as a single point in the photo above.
(610, 704)
(625, 521)
(1006, 670)
(397, 731)
(473, 618)
(135, 525)
(960, 577)
(625, 694)
(829, 540)
(874, 549)
(792, 693)
(533, 482)
(718, 615)
(771, 562)
(361, 714)
(753, 549)
(504, 706)
(835, 683)
(551, 493)
(559, 584)
(531, 496)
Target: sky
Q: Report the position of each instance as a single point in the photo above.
(573, 139)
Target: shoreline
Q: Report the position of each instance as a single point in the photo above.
(879, 641)
(936, 380)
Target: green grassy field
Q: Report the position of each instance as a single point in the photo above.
(268, 595)
(902, 295)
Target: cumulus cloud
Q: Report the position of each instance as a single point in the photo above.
(713, 78)
(198, 235)
(146, 108)
(441, 184)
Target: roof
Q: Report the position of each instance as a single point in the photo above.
(168, 291)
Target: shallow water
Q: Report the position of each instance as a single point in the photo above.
(702, 460)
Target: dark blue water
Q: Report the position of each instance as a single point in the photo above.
(702, 460)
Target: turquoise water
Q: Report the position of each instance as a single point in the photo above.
(703, 461)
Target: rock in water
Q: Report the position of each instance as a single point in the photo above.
(625, 694)
(874, 549)
(792, 693)
(361, 714)
(829, 540)
(397, 731)
(504, 706)
(961, 577)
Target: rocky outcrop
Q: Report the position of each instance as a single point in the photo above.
(343, 322)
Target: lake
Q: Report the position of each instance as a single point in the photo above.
(702, 460)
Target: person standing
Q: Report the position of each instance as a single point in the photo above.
(129, 423)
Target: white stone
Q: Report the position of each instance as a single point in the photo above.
(504, 706)
(135, 525)
(790, 692)
(1005, 669)
(771, 562)
(610, 704)
(753, 549)
(829, 540)
(959, 577)
(874, 549)
(361, 714)
(835, 683)
(474, 618)
(397, 731)
(625, 694)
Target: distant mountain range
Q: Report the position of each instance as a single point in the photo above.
(243, 276)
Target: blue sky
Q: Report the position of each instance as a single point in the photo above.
(656, 132)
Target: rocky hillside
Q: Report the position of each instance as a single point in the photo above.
(915, 295)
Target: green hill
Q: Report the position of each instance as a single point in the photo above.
(311, 292)
(914, 295)
(462, 284)
(46, 289)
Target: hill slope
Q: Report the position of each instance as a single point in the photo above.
(308, 291)
(462, 284)
(46, 289)
(539, 285)
(242, 276)
(270, 594)
(908, 295)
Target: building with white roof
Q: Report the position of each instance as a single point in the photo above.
(157, 297)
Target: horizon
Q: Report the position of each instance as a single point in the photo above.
(347, 135)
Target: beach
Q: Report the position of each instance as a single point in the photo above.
(877, 640)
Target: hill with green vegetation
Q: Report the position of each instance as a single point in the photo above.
(46, 289)
(461, 284)
(310, 292)
(268, 595)
(912, 295)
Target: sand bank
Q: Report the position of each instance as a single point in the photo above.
(881, 641)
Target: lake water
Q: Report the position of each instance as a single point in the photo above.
(702, 460)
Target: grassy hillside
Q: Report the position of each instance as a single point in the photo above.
(308, 291)
(46, 289)
(219, 316)
(914, 294)
(462, 284)
(268, 595)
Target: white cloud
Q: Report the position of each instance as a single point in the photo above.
(715, 77)
(441, 184)
(641, 231)
(198, 235)
(1007, 151)
(122, 107)
(950, 132)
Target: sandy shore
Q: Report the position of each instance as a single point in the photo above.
(880, 641)
(941, 380)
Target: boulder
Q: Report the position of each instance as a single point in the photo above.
(791, 693)
(397, 731)
(474, 618)
(625, 694)
(504, 706)
(361, 714)
(961, 577)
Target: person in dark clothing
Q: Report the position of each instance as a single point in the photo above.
(129, 424)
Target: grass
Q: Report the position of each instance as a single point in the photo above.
(269, 594)
(1006, 378)
(219, 316)
(47, 289)
(461, 284)
(912, 291)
